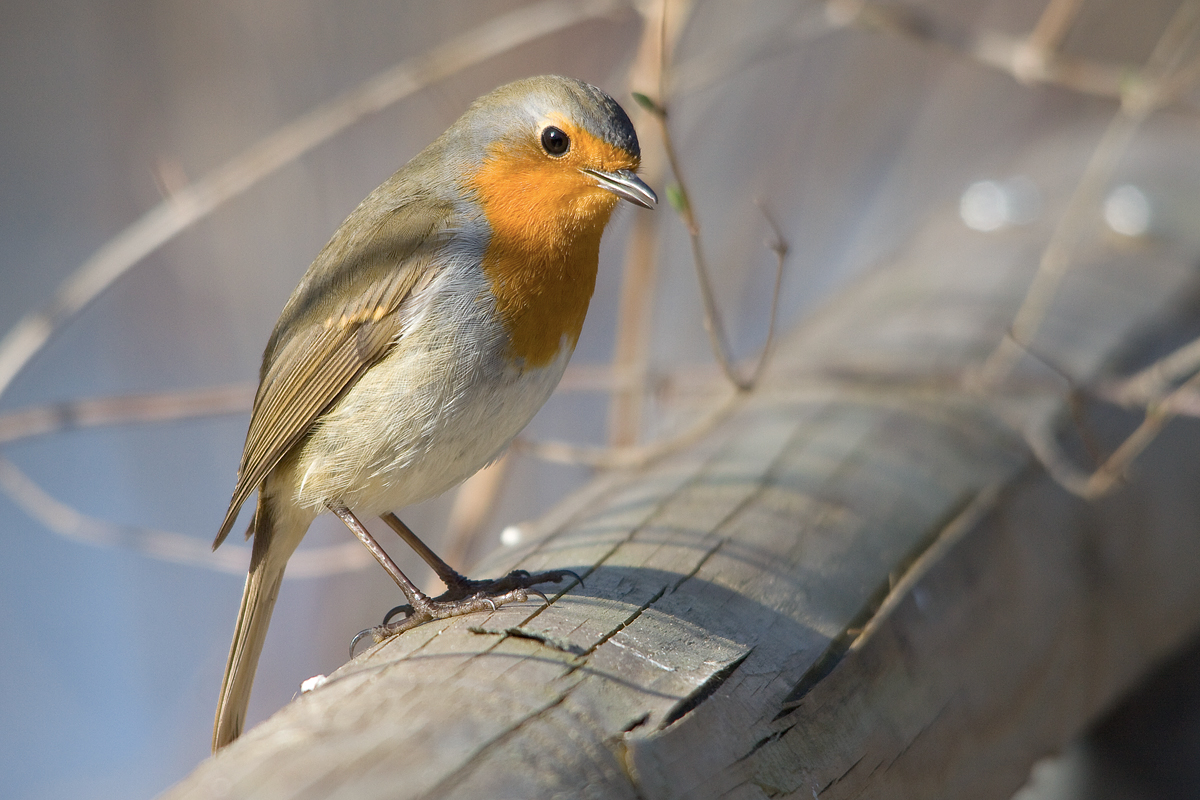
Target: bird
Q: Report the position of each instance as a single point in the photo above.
(423, 338)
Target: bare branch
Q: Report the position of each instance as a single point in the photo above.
(626, 457)
(176, 548)
(680, 200)
(779, 246)
(1031, 61)
(1157, 417)
(185, 206)
(1139, 99)
(197, 200)
(631, 346)
(106, 411)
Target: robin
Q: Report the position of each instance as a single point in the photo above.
(424, 337)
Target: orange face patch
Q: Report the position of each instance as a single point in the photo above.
(546, 218)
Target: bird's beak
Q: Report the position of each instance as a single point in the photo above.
(625, 185)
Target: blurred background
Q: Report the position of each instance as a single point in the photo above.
(846, 123)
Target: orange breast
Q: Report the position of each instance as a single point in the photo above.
(546, 219)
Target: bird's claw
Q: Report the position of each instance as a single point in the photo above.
(468, 597)
(406, 608)
(358, 638)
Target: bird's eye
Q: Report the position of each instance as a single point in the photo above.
(555, 141)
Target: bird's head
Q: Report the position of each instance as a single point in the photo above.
(553, 153)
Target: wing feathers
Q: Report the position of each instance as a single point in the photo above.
(327, 347)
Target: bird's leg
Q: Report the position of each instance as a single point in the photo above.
(459, 585)
(420, 608)
(416, 597)
(462, 595)
(448, 575)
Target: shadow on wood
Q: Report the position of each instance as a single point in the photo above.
(860, 585)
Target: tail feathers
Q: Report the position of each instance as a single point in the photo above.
(258, 601)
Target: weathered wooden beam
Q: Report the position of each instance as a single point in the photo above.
(860, 584)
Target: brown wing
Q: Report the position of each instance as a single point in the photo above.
(341, 319)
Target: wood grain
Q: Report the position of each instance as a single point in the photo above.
(861, 585)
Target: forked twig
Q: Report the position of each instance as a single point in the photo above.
(1150, 384)
(1157, 417)
(632, 456)
(1114, 469)
(639, 276)
(1164, 76)
(779, 246)
(1032, 58)
(1145, 390)
(1161, 79)
(196, 201)
(176, 548)
(93, 412)
(680, 200)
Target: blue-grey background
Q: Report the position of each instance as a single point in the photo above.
(112, 658)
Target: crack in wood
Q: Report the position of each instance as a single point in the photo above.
(462, 772)
(845, 772)
(832, 656)
(637, 723)
(897, 584)
(763, 742)
(620, 749)
(913, 740)
(703, 691)
(712, 551)
(623, 625)
(517, 632)
(769, 791)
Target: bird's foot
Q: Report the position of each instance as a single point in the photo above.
(466, 596)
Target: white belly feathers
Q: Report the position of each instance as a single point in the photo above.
(453, 394)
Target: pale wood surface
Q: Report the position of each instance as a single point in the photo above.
(716, 648)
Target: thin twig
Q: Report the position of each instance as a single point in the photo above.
(631, 345)
(97, 412)
(1151, 383)
(1009, 54)
(712, 316)
(1157, 417)
(1159, 410)
(1114, 469)
(1052, 27)
(177, 548)
(627, 457)
(680, 200)
(1139, 100)
(779, 246)
(1184, 403)
(1039, 50)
